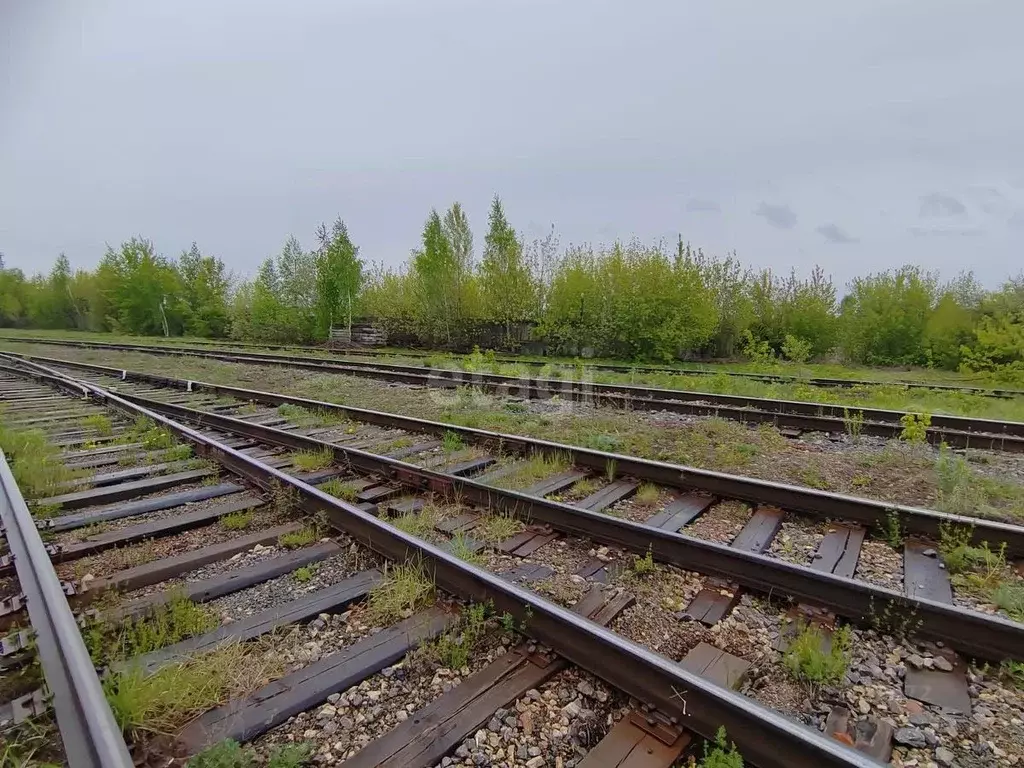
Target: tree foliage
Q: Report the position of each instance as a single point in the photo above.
(628, 300)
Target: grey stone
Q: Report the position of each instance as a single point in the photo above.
(920, 719)
(944, 756)
(911, 737)
(941, 662)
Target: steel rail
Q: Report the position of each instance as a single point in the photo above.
(973, 632)
(818, 381)
(868, 512)
(765, 738)
(955, 431)
(87, 727)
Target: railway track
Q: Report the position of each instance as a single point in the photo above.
(476, 515)
(817, 381)
(394, 488)
(793, 418)
(253, 485)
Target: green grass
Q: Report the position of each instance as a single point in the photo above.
(304, 574)
(643, 566)
(585, 487)
(498, 527)
(460, 547)
(310, 461)
(152, 436)
(341, 489)
(164, 701)
(451, 442)
(29, 744)
(172, 622)
(455, 647)
(98, 422)
(886, 391)
(230, 754)
(236, 521)
(647, 495)
(305, 417)
(419, 524)
(721, 753)
(403, 590)
(296, 539)
(536, 468)
(808, 662)
(37, 465)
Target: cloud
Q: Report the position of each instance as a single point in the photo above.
(939, 205)
(780, 216)
(947, 231)
(1017, 220)
(698, 205)
(835, 234)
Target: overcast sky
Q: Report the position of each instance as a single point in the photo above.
(858, 135)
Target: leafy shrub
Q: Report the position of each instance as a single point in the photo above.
(721, 753)
(807, 662)
(915, 427)
(796, 350)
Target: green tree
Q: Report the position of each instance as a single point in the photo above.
(507, 287)
(443, 286)
(204, 284)
(339, 277)
(884, 316)
(727, 280)
(141, 290)
(998, 343)
(949, 327)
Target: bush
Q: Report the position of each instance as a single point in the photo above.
(807, 662)
(796, 350)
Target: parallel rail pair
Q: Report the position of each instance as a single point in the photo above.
(766, 738)
(955, 431)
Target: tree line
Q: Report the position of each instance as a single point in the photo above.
(628, 300)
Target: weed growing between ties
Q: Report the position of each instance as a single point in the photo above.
(809, 662)
(341, 489)
(300, 538)
(151, 436)
(461, 547)
(36, 464)
(721, 753)
(305, 417)
(403, 590)
(164, 701)
(231, 754)
(100, 423)
(537, 467)
(643, 566)
(419, 524)
(647, 495)
(454, 648)
(305, 574)
(981, 571)
(310, 461)
(892, 529)
(451, 442)
(498, 527)
(176, 620)
(236, 521)
(30, 744)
